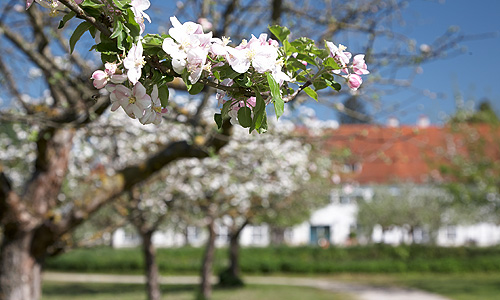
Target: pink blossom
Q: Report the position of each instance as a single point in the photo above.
(359, 66)
(101, 78)
(354, 81)
(341, 57)
(256, 53)
(134, 63)
(138, 8)
(133, 102)
(153, 115)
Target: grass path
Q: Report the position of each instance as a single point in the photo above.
(358, 291)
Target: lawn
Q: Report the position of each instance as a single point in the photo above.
(101, 291)
(467, 286)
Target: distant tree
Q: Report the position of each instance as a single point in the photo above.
(408, 207)
(484, 114)
(354, 112)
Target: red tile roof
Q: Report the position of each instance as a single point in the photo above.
(402, 154)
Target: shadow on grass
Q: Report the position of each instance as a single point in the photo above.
(89, 289)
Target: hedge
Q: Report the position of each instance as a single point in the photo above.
(359, 259)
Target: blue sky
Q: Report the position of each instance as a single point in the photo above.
(473, 73)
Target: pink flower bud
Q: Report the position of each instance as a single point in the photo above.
(100, 79)
(354, 81)
(359, 66)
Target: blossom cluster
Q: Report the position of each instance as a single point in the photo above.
(351, 72)
(249, 75)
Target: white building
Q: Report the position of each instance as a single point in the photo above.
(382, 156)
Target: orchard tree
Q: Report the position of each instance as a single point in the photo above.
(406, 206)
(471, 165)
(136, 69)
(236, 185)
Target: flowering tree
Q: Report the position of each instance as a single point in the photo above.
(29, 204)
(250, 76)
(242, 182)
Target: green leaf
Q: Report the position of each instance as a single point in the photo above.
(312, 93)
(331, 63)
(307, 58)
(66, 18)
(259, 112)
(89, 3)
(263, 126)
(289, 49)
(196, 88)
(245, 117)
(226, 71)
(163, 94)
(121, 4)
(79, 31)
(320, 84)
(279, 104)
(243, 81)
(133, 27)
(226, 107)
(117, 29)
(218, 120)
(281, 33)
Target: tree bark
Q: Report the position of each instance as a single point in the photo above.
(207, 263)
(231, 277)
(20, 271)
(151, 267)
(277, 235)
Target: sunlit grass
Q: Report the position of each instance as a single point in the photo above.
(459, 286)
(101, 291)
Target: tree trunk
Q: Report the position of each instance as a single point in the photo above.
(152, 275)
(277, 236)
(208, 259)
(231, 277)
(20, 271)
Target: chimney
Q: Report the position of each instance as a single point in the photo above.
(423, 121)
(392, 122)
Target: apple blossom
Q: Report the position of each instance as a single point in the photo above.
(354, 81)
(133, 102)
(138, 8)
(101, 78)
(338, 53)
(134, 62)
(257, 53)
(359, 66)
(154, 113)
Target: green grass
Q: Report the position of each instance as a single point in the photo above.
(101, 291)
(466, 286)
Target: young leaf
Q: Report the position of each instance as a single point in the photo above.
(312, 93)
(66, 18)
(196, 88)
(259, 112)
(226, 107)
(281, 33)
(279, 104)
(245, 117)
(79, 31)
(163, 95)
(117, 29)
(218, 120)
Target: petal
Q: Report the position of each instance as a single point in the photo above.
(139, 90)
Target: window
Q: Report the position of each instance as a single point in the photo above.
(193, 233)
(257, 234)
(451, 233)
(352, 167)
(222, 234)
(320, 235)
